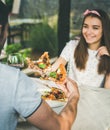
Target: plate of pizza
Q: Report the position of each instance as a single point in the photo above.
(41, 66)
(55, 97)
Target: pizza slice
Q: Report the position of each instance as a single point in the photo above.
(57, 76)
(42, 63)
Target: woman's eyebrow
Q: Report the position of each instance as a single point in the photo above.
(92, 25)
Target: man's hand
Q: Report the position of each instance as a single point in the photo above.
(70, 88)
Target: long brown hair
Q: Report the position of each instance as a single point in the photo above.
(81, 51)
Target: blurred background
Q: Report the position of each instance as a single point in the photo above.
(47, 25)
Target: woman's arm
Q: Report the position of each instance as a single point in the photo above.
(54, 67)
(59, 61)
(46, 119)
(107, 81)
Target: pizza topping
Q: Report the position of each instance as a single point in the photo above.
(42, 66)
(54, 94)
(53, 74)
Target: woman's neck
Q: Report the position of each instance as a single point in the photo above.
(93, 46)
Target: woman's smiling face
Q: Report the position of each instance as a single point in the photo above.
(92, 32)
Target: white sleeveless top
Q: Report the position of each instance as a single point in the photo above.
(87, 77)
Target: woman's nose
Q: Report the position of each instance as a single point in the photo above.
(89, 31)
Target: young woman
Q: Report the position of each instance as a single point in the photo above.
(89, 58)
(89, 65)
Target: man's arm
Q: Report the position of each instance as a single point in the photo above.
(46, 119)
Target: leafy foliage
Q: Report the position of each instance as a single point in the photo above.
(16, 55)
(13, 48)
(44, 38)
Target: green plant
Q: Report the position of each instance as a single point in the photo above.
(13, 48)
(15, 58)
(25, 52)
(44, 38)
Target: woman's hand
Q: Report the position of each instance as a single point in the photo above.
(103, 51)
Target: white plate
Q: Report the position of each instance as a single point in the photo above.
(52, 103)
(45, 83)
(29, 71)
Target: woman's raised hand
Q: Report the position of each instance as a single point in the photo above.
(103, 51)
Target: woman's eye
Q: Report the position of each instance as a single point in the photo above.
(95, 28)
(84, 26)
